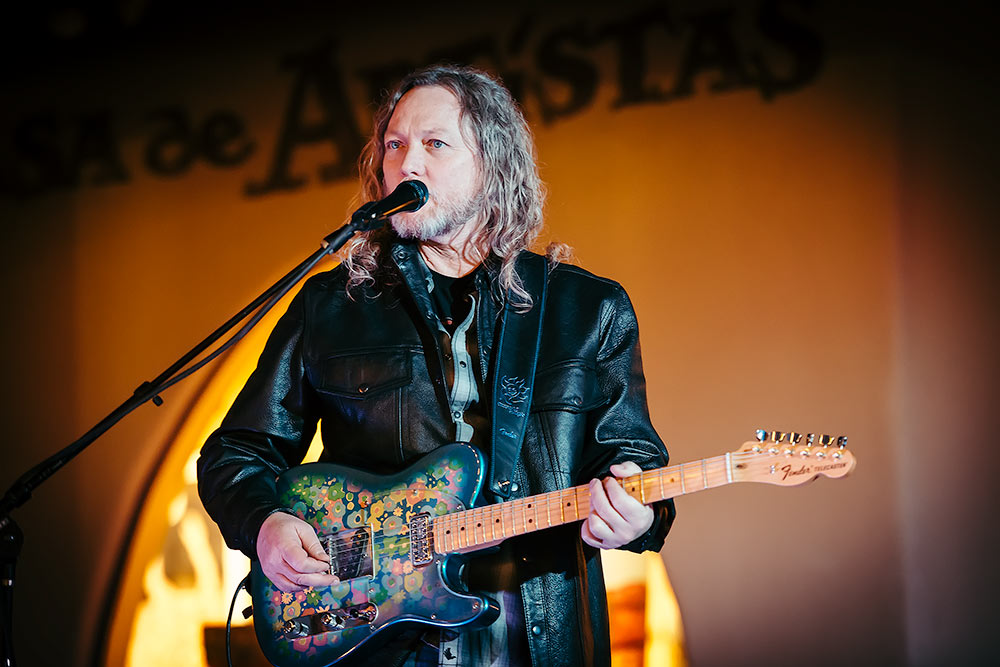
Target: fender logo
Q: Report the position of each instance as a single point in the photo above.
(805, 470)
(787, 469)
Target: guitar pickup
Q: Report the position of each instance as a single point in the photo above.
(334, 620)
(349, 553)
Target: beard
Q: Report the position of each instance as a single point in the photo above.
(443, 219)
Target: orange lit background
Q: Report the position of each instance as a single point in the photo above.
(820, 261)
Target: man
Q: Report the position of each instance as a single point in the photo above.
(396, 352)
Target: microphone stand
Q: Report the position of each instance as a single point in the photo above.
(364, 219)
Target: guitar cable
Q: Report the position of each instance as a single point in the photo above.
(245, 585)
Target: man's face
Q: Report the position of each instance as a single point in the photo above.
(424, 141)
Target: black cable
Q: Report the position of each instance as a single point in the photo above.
(229, 619)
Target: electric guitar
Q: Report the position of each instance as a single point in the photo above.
(392, 540)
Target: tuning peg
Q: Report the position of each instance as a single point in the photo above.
(842, 441)
(777, 436)
(826, 440)
(811, 439)
(794, 437)
(761, 435)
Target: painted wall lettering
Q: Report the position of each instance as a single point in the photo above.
(555, 71)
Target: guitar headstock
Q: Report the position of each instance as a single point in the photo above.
(790, 459)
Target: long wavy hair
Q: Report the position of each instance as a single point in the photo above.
(512, 192)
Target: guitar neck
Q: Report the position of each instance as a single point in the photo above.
(481, 527)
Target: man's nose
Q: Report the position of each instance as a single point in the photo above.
(413, 161)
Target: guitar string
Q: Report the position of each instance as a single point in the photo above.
(544, 504)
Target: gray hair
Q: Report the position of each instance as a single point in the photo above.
(512, 192)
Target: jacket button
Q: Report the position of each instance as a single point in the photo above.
(536, 630)
(363, 388)
(514, 487)
(577, 400)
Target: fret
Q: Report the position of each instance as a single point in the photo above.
(530, 522)
(478, 534)
(582, 507)
(694, 475)
(562, 508)
(649, 494)
(449, 534)
(628, 484)
(659, 476)
(548, 514)
(642, 490)
(674, 475)
(683, 490)
(460, 530)
(470, 527)
(709, 468)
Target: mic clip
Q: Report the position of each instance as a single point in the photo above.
(367, 218)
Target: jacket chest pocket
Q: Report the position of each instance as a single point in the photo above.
(361, 396)
(570, 386)
(365, 375)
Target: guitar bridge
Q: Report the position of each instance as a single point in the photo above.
(421, 549)
(334, 620)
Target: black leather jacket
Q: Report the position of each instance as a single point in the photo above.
(371, 370)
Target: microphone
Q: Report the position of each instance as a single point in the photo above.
(408, 196)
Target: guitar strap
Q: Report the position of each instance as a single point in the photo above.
(514, 373)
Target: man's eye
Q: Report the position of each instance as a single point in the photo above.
(393, 144)
(436, 143)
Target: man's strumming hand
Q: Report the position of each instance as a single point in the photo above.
(290, 554)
